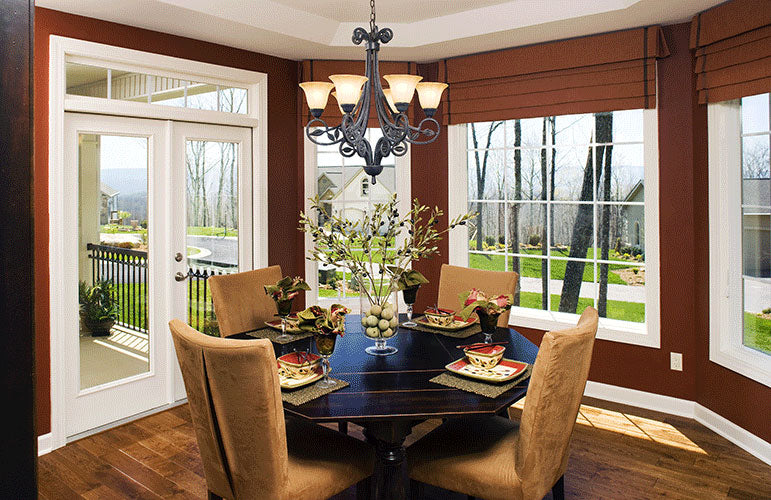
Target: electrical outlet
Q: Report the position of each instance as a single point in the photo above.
(676, 361)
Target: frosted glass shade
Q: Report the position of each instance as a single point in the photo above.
(430, 94)
(339, 106)
(348, 89)
(390, 100)
(317, 94)
(402, 89)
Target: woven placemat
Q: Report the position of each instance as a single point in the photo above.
(477, 386)
(310, 392)
(270, 333)
(458, 334)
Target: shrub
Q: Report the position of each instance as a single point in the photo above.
(767, 310)
(489, 240)
(534, 240)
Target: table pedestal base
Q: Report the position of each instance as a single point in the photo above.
(389, 482)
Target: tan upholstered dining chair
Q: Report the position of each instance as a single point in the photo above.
(455, 280)
(240, 301)
(247, 449)
(492, 457)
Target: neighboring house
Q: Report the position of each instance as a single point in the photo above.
(109, 203)
(633, 218)
(756, 201)
(354, 200)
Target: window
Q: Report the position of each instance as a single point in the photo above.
(105, 83)
(345, 189)
(567, 202)
(740, 235)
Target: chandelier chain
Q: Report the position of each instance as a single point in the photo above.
(372, 25)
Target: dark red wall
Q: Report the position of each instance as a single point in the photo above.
(285, 180)
(683, 213)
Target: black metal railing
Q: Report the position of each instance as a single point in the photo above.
(127, 268)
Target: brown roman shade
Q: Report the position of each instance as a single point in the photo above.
(733, 50)
(596, 73)
(316, 70)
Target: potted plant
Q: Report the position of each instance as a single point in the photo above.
(99, 306)
(376, 251)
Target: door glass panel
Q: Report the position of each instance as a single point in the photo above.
(212, 223)
(113, 257)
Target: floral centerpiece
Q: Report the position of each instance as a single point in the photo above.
(487, 308)
(320, 320)
(326, 325)
(378, 249)
(284, 291)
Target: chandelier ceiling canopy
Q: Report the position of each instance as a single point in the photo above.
(354, 95)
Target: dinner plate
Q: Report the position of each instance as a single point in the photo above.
(457, 324)
(291, 324)
(295, 383)
(504, 371)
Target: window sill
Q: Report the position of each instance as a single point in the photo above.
(742, 360)
(609, 329)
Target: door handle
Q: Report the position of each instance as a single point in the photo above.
(180, 276)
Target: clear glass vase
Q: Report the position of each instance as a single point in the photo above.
(379, 317)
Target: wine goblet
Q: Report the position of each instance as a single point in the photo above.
(410, 296)
(325, 345)
(488, 322)
(284, 307)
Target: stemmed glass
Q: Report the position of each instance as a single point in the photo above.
(325, 345)
(488, 322)
(410, 296)
(284, 307)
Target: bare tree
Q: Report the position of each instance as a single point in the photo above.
(605, 152)
(544, 225)
(481, 173)
(514, 222)
(582, 228)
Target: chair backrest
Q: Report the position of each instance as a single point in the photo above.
(455, 280)
(235, 400)
(553, 398)
(240, 301)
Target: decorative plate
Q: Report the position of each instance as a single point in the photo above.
(291, 324)
(458, 324)
(504, 371)
(294, 383)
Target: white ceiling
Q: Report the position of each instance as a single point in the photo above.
(424, 30)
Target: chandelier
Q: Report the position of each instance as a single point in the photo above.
(354, 99)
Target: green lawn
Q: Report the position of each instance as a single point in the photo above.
(211, 231)
(757, 332)
(531, 268)
(626, 311)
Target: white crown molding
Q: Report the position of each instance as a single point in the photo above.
(739, 436)
(422, 32)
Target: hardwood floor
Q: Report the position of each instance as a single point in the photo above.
(617, 452)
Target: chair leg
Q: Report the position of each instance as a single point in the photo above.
(558, 490)
(214, 496)
(364, 489)
(342, 426)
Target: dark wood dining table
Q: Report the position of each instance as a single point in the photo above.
(389, 395)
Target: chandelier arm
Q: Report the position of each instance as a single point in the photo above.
(427, 127)
(333, 135)
(391, 130)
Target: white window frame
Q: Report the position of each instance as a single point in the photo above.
(644, 334)
(63, 50)
(403, 189)
(726, 319)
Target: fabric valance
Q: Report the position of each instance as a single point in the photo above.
(733, 50)
(596, 73)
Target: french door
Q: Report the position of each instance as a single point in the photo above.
(153, 209)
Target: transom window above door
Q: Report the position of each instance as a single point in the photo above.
(165, 90)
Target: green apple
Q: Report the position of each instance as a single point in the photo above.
(375, 310)
(388, 333)
(394, 322)
(387, 313)
(372, 320)
(364, 321)
(383, 324)
(372, 332)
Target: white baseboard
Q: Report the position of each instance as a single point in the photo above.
(732, 432)
(742, 438)
(640, 399)
(44, 444)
